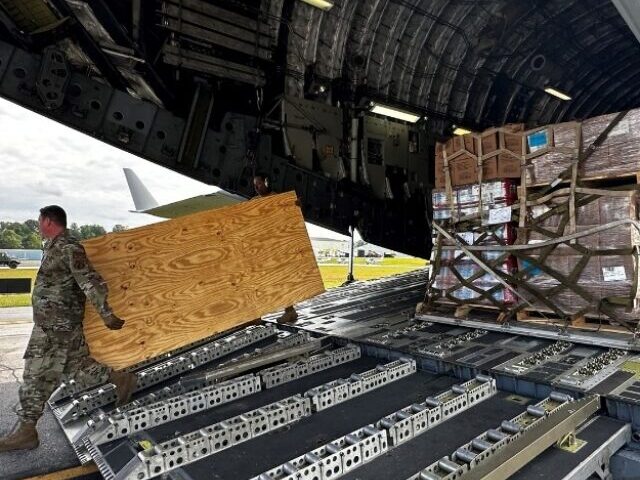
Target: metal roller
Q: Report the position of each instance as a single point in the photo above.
(406, 359)
(425, 476)
(310, 458)
(510, 427)
(417, 408)
(370, 430)
(402, 415)
(432, 402)
(448, 466)
(480, 445)
(351, 439)
(496, 435)
(332, 448)
(381, 368)
(458, 389)
(465, 455)
(483, 378)
(387, 423)
(356, 377)
(289, 468)
(560, 397)
(536, 411)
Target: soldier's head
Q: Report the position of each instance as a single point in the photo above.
(261, 184)
(52, 221)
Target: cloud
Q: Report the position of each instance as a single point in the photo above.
(43, 162)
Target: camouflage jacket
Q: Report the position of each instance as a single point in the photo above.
(65, 279)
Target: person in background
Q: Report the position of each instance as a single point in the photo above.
(261, 186)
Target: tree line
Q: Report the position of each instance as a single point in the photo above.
(26, 235)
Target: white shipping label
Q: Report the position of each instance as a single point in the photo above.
(622, 128)
(499, 215)
(613, 274)
(467, 237)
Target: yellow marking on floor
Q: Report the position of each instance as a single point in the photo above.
(631, 367)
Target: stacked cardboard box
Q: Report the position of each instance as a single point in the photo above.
(596, 275)
(551, 149)
(498, 151)
(602, 265)
(477, 285)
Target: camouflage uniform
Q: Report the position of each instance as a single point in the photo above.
(57, 347)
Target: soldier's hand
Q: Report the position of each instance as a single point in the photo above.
(113, 322)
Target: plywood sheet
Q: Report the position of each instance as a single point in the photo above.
(181, 280)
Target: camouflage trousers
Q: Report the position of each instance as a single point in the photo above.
(52, 357)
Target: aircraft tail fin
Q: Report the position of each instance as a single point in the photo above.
(142, 198)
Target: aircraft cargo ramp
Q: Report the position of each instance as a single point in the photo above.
(359, 388)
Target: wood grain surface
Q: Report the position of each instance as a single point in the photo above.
(180, 280)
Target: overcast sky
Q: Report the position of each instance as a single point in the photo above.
(43, 162)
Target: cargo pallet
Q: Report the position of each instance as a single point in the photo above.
(537, 316)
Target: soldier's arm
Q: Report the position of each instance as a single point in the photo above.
(90, 281)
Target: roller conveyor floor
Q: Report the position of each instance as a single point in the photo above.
(355, 392)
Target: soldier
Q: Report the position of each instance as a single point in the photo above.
(57, 347)
(261, 186)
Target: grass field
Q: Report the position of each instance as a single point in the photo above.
(20, 299)
(333, 275)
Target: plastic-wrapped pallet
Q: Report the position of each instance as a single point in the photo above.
(496, 195)
(498, 151)
(574, 275)
(595, 273)
(483, 289)
(619, 155)
(607, 280)
(552, 149)
(458, 279)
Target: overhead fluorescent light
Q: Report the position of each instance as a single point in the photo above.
(394, 113)
(461, 131)
(321, 4)
(557, 93)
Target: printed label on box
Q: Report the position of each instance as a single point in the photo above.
(622, 128)
(499, 215)
(467, 237)
(537, 141)
(613, 274)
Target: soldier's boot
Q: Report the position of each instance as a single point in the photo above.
(289, 316)
(25, 437)
(125, 383)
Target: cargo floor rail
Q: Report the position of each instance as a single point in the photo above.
(362, 446)
(468, 456)
(105, 394)
(166, 456)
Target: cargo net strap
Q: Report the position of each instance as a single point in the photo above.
(536, 259)
(459, 265)
(543, 259)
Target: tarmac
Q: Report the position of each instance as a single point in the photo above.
(15, 328)
(54, 452)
